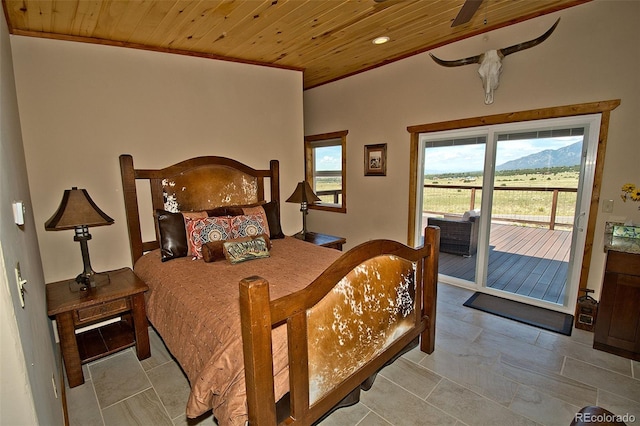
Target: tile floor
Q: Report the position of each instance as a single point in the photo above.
(485, 370)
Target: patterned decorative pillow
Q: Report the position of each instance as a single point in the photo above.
(249, 225)
(258, 210)
(271, 211)
(241, 251)
(203, 230)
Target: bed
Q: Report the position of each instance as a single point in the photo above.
(289, 335)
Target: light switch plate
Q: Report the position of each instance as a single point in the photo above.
(607, 206)
(20, 283)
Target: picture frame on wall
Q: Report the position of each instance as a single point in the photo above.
(375, 160)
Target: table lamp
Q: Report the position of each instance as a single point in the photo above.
(78, 211)
(304, 195)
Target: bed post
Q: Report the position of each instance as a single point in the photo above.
(255, 314)
(274, 166)
(275, 179)
(429, 288)
(131, 206)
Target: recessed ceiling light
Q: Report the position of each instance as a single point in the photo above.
(381, 40)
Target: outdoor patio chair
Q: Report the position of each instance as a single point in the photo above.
(457, 236)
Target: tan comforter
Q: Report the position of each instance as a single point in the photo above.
(194, 306)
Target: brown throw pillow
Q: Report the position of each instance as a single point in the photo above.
(218, 211)
(213, 251)
(272, 212)
(173, 238)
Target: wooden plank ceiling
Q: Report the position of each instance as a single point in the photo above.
(327, 39)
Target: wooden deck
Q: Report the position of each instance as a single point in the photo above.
(523, 260)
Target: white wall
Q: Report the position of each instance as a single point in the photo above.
(82, 105)
(592, 56)
(27, 358)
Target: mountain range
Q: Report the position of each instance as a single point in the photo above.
(566, 156)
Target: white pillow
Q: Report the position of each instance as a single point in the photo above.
(470, 213)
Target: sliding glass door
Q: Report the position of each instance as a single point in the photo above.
(452, 196)
(512, 204)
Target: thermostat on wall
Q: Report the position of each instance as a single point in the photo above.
(18, 212)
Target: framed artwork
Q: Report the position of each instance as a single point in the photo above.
(375, 160)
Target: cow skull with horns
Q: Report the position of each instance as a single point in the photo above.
(491, 62)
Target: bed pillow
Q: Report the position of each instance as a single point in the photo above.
(171, 231)
(470, 214)
(258, 210)
(242, 251)
(249, 225)
(203, 230)
(218, 211)
(239, 210)
(272, 212)
(214, 250)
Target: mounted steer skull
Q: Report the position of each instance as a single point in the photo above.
(491, 62)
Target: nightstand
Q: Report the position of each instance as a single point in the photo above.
(325, 240)
(122, 296)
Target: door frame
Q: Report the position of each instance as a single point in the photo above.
(604, 108)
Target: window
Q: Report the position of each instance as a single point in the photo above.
(325, 169)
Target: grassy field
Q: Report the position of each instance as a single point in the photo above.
(558, 178)
(528, 205)
(328, 184)
(525, 205)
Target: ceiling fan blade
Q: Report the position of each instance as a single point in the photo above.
(466, 12)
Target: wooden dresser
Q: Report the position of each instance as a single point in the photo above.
(617, 327)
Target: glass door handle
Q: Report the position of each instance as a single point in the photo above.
(577, 221)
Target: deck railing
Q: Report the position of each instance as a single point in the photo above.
(550, 206)
(331, 196)
(331, 181)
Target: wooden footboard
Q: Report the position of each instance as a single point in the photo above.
(343, 328)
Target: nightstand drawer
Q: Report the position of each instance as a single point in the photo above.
(103, 310)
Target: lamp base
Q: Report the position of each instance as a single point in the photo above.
(88, 278)
(84, 283)
(300, 235)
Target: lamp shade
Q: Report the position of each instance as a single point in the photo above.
(303, 194)
(77, 209)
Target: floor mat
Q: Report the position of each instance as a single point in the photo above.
(521, 312)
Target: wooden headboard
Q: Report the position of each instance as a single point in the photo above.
(200, 183)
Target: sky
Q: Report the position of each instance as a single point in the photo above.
(329, 158)
(466, 158)
(470, 158)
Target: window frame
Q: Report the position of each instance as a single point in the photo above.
(313, 141)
